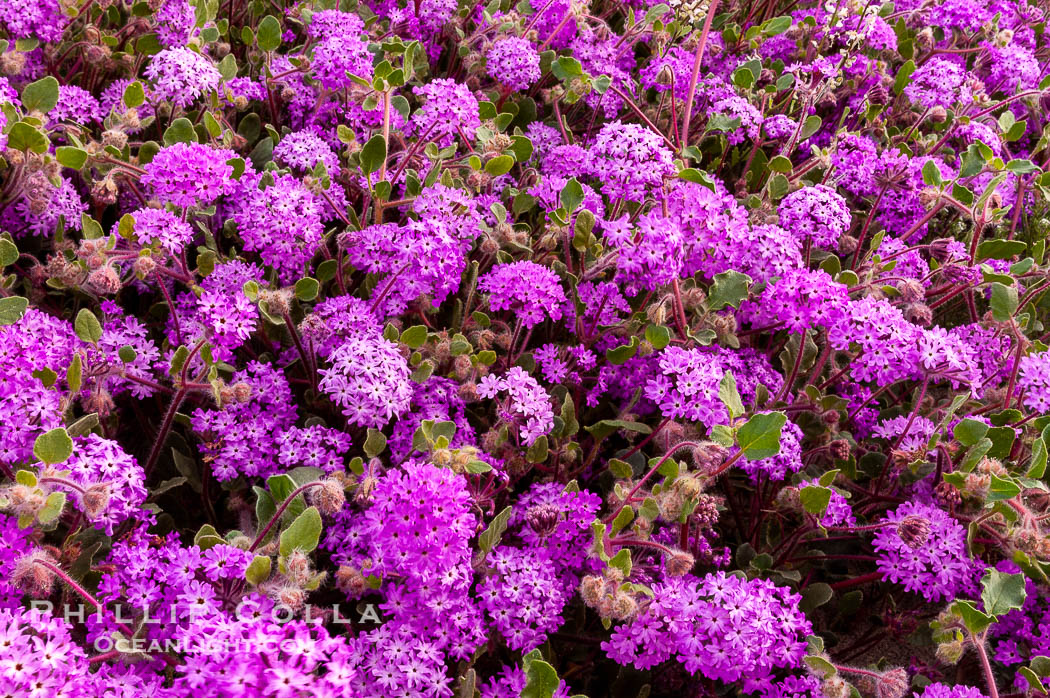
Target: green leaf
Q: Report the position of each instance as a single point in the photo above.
(602, 429)
(776, 26)
(810, 126)
(815, 499)
(303, 533)
(658, 335)
(625, 517)
(821, 666)
(571, 195)
(729, 288)
(903, 77)
(258, 570)
(373, 155)
(8, 252)
(41, 96)
(815, 596)
(306, 289)
(227, 67)
(931, 174)
(1002, 592)
(1000, 249)
(622, 561)
(499, 165)
(22, 136)
(73, 158)
(621, 354)
(53, 505)
(268, 34)
(1002, 439)
(730, 396)
(541, 680)
(722, 434)
(780, 163)
(1021, 166)
(207, 537)
(134, 95)
(566, 67)
(281, 487)
(1002, 489)
(969, 431)
(1003, 302)
(759, 437)
(375, 443)
(538, 451)
(87, 326)
(74, 374)
(490, 537)
(92, 229)
(568, 416)
(12, 309)
(180, 131)
(477, 467)
(1034, 680)
(53, 446)
(415, 336)
(974, 620)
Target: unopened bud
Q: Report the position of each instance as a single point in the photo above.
(242, 392)
(95, 499)
(624, 607)
(292, 597)
(543, 519)
(680, 563)
(708, 456)
(32, 577)
(913, 531)
(350, 581)
(911, 290)
(950, 652)
(919, 313)
(840, 449)
(328, 497)
(591, 589)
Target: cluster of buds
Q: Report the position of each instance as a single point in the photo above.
(458, 460)
(293, 582)
(225, 394)
(979, 482)
(610, 595)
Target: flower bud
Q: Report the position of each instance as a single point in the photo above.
(919, 313)
(624, 607)
(242, 392)
(913, 531)
(950, 652)
(591, 589)
(328, 497)
(543, 519)
(95, 499)
(911, 290)
(680, 563)
(144, 266)
(32, 577)
(292, 597)
(350, 581)
(840, 449)
(708, 456)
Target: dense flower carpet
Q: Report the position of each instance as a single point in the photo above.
(550, 348)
